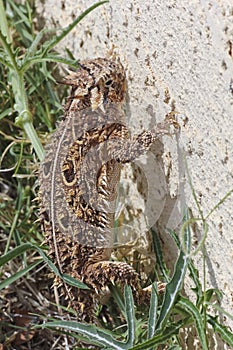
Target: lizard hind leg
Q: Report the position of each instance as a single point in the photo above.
(105, 273)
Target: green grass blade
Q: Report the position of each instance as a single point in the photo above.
(225, 334)
(32, 135)
(21, 15)
(160, 338)
(196, 316)
(174, 286)
(117, 295)
(94, 334)
(222, 200)
(172, 290)
(26, 246)
(66, 30)
(14, 253)
(5, 113)
(73, 282)
(153, 311)
(31, 51)
(18, 275)
(220, 309)
(194, 274)
(159, 255)
(49, 58)
(68, 279)
(130, 315)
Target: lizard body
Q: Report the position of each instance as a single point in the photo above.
(79, 178)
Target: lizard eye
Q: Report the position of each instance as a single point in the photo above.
(108, 83)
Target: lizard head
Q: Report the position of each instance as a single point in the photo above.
(98, 82)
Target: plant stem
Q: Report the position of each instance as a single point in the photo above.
(24, 118)
(3, 23)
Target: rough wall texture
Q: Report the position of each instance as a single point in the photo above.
(178, 56)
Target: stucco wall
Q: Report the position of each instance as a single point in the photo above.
(178, 56)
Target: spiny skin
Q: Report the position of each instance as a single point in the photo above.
(78, 183)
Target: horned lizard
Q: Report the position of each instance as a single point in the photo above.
(79, 178)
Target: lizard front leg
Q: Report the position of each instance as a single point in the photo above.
(127, 150)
